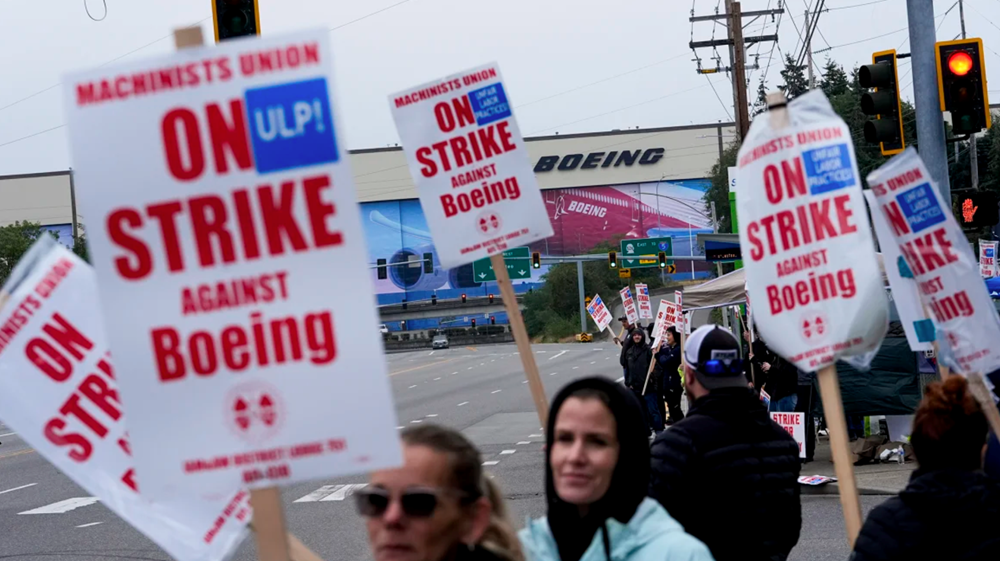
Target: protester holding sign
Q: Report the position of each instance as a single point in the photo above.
(716, 459)
(950, 509)
(635, 358)
(668, 361)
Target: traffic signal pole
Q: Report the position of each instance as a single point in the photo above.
(926, 99)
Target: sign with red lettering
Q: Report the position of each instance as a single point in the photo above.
(631, 314)
(988, 258)
(795, 425)
(942, 263)
(59, 391)
(226, 236)
(808, 252)
(470, 165)
(642, 297)
(599, 312)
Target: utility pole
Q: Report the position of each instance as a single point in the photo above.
(742, 110)
(583, 296)
(973, 152)
(736, 43)
(926, 99)
(809, 56)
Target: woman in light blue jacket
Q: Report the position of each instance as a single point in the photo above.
(596, 477)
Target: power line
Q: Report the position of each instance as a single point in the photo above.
(724, 107)
(856, 5)
(364, 17)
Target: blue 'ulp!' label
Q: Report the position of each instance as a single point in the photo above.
(920, 207)
(291, 125)
(489, 104)
(828, 168)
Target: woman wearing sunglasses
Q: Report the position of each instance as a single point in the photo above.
(438, 506)
(596, 478)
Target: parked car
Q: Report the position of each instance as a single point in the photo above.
(440, 342)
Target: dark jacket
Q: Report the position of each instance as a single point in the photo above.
(668, 360)
(781, 379)
(728, 474)
(635, 358)
(942, 514)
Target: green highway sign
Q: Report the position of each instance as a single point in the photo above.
(518, 261)
(647, 248)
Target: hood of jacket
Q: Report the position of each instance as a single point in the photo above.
(628, 482)
(650, 528)
(952, 492)
(640, 331)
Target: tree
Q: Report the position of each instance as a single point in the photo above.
(834, 81)
(80, 245)
(15, 240)
(718, 191)
(795, 83)
(760, 105)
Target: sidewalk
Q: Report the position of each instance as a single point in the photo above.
(872, 479)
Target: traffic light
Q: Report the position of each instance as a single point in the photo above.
(402, 325)
(980, 209)
(473, 322)
(536, 260)
(613, 259)
(887, 129)
(429, 263)
(383, 273)
(434, 299)
(662, 257)
(962, 84)
(463, 299)
(491, 298)
(235, 18)
(493, 320)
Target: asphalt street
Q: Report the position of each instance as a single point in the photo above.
(481, 391)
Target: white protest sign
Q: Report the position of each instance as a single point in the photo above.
(629, 304)
(795, 425)
(808, 252)
(59, 391)
(232, 266)
(470, 165)
(681, 318)
(942, 262)
(660, 325)
(600, 313)
(918, 327)
(988, 258)
(642, 297)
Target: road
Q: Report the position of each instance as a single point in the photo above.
(482, 391)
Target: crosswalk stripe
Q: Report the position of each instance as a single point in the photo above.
(332, 493)
(62, 507)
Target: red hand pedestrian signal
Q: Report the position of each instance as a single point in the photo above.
(968, 211)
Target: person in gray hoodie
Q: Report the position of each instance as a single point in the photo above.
(596, 476)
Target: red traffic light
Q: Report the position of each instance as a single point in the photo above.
(960, 63)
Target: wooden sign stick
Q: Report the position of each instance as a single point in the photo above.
(982, 394)
(521, 338)
(268, 524)
(833, 406)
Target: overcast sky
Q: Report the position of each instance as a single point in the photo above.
(551, 52)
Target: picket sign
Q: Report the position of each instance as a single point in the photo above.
(59, 392)
(642, 297)
(816, 284)
(629, 304)
(937, 252)
(475, 182)
(988, 258)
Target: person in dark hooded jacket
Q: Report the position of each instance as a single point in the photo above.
(596, 469)
(635, 359)
(950, 509)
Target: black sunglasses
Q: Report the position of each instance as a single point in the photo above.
(416, 503)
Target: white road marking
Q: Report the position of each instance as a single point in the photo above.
(332, 493)
(505, 452)
(453, 373)
(534, 436)
(542, 352)
(7, 434)
(19, 488)
(607, 358)
(400, 428)
(496, 391)
(622, 379)
(63, 506)
(482, 364)
(89, 525)
(430, 353)
(558, 355)
(576, 368)
(523, 442)
(463, 403)
(432, 415)
(491, 463)
(436, 379)
(593, 362)
(469, 368)
(411, 387)
(553, 374)
(524, 382)
(414, 422)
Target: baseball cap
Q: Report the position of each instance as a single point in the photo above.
(714, 353)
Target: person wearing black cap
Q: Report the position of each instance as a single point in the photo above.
(596, 471)
(728, 456)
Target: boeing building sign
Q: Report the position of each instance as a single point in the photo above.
(594, 160)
